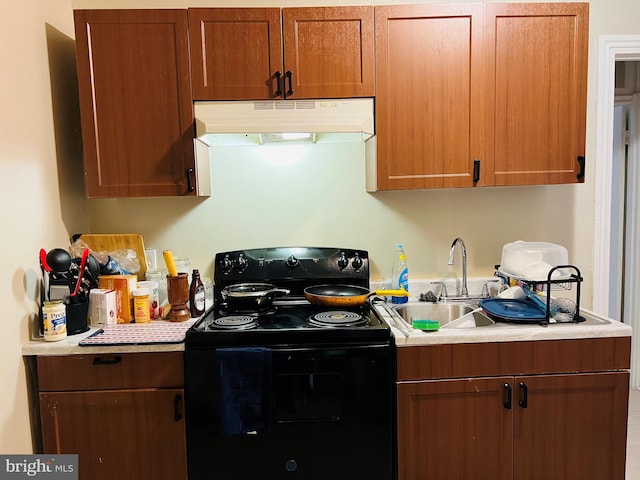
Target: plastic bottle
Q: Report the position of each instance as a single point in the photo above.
(400, 274)
(141, 305)
(154, 297)
(159, 276)
(196, 295)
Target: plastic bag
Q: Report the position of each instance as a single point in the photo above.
(123, 261)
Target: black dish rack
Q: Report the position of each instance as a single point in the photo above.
(564, 282)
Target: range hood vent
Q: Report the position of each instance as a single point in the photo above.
(224, 123)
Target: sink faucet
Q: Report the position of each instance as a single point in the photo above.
(465, 291)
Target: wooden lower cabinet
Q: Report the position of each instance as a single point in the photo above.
(454, 429)
(105, 410)
(569, 426)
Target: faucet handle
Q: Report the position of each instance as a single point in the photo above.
(443, 290)
(485, 287)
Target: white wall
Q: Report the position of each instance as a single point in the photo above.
(40, 195)
(318, 200)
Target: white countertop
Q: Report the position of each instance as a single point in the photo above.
(595, 327)
(69, 346)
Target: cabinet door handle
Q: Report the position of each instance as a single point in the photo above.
(507, 396)
(289, 75)
(581, 162)
(476, 171)
(107, 360)
(177, 408)
(276, 77)
(190, 185)
(524, 395)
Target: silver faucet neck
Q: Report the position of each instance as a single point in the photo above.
(463, 248)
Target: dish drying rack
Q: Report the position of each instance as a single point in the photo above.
(562, 282)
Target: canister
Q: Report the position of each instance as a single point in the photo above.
(154, 297)
(54, 319)
(141, 305)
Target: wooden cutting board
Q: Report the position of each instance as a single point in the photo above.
(116, 241)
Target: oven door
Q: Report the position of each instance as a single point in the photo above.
(331, 418)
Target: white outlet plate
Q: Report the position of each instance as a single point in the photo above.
(152, 260)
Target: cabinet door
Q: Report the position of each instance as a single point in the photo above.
(123, 434)
(573, 426)
(455, 430)
(429, 95)
(329, 52)
(537, 89)
(135, 102)
(236, 53)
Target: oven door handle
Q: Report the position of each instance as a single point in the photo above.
(177, 408)
(313, 349)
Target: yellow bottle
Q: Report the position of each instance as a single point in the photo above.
(141, 312)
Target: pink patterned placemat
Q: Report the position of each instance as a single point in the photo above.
(138, 334)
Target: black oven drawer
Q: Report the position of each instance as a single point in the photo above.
(330, 417)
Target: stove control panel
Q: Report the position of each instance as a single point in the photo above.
(292, 263)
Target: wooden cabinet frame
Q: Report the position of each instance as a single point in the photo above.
(521, 410)
(135, 102)
(273, 53)
(122, 414)
(480, 94)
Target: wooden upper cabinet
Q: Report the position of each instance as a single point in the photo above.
(235, 52)
(135, 102)
(269, 53)
(480, 94)
(429, 95)
(537, 87)
(329, 52)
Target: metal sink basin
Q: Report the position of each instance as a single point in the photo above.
(448, 314)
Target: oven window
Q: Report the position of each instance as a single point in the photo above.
(308, 397)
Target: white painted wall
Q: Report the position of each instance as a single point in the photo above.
(41, 198)
(319, 199)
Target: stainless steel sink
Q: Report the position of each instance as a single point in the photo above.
(448, 314)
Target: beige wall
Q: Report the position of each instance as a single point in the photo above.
(319, 199)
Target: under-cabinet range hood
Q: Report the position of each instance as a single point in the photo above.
(223, 123)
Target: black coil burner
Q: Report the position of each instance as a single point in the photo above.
(236, 322)
(337, 319)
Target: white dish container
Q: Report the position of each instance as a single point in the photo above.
(533, 260)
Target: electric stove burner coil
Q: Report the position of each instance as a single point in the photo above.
(337, 319)
(237, 322)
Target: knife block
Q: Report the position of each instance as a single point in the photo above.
(178, 296)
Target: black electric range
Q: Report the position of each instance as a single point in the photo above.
(293, 390)
(290, 319)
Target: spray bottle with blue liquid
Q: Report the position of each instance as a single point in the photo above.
(400, 274)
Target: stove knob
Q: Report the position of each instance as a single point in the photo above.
(357, 262)
(292, 261)
(227, 264)
(343, 261)
(243, 263)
